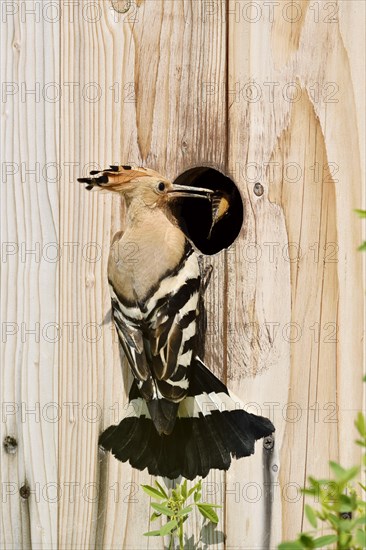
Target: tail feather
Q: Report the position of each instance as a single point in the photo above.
(209, 430)
(204, 464)
(146, 454)
(163, 414)
(217, 450)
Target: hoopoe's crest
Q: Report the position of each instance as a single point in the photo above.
(141, 183)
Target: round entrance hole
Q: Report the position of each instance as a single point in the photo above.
(195, 215)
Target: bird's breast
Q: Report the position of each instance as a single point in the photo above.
(141, 258)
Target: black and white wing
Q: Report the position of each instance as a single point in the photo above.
(159, 336)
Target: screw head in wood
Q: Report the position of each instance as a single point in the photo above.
(258, 189)
(10, 445)
(268, 442)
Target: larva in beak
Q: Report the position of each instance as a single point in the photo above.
(219, 206)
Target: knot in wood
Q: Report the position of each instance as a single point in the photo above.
(24, 492)
(10, 445)
(121, 6)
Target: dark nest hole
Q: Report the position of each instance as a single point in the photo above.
(195, 215)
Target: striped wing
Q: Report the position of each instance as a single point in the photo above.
(159, 335)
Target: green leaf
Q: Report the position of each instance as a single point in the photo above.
(361, 537)
(343, 475)
(314, 482)
(323, 515)
(361, 213)
(346, 504)
(154, 516)
(344, 540)
(152, 492)
(193, 489)
(323, 541)
(185, 511)
(334, 520)
(197, 496)
(337, 469)
(310, 514)
(306, 540)
(162, 490)
(152, 534)
(344, 525)
(294, 545)
(362, 247)
(184, 489)
(211, 505)
(162, 509)
(351, 473)
(168, 527)
(360, 424)
(324, 483)
(208, 512)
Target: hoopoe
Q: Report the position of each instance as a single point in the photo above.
(182, 420)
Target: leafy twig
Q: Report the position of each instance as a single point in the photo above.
(176, 509)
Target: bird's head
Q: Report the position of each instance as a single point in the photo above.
(142, 184)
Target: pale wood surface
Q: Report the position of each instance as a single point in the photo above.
(298, 146)
(159, 120)
(29, 273)
(173, 79)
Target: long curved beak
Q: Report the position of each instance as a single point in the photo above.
(186, 191)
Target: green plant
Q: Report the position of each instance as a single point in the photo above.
(362, 214)
(341, 510)
(174, 505)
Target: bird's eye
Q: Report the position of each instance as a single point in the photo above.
(161, 186)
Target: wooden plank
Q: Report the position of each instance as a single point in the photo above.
(29, 297)
(89, 370)
(279, 327)
(164, 119)
(293, 129)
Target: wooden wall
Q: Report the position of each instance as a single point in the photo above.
(268, 92)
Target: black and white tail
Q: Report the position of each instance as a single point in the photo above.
(209, 430)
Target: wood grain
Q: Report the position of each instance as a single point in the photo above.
(293, 131)
(29, 292)
(270, 94)
(162, 120)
